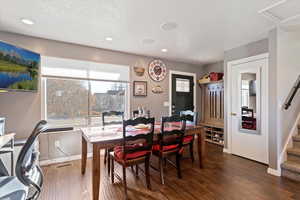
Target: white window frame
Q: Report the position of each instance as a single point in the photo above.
(44, 93)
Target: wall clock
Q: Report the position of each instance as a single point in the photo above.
(157, 70)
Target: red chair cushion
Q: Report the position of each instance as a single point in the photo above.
(188, 139)
(165, 148)
(119, 153)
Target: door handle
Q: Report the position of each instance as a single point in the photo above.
(233, 114)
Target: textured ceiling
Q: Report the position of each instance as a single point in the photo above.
(205, 28)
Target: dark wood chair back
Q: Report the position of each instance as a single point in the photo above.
(174, 133)
(117, 114)
(135, 142)
(190, 116)
(27, 170)
(135, 113)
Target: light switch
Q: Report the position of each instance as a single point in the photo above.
(166, 104)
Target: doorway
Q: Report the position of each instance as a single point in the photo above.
(248, 108)
(182, 92)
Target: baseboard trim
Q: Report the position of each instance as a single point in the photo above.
(226, 151)
(274, 172)
(62, 159)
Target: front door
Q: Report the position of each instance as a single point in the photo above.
(182, 93)
(249, 137)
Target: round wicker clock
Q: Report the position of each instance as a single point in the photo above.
(157, 70)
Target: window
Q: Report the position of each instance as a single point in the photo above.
(79, 99)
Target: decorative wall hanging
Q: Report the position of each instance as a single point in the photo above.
(157, 89)
(139, 71)
(157, 70)
(139, 88)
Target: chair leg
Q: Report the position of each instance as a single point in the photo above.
(113, 170)
(178, 157)
(147, 172)
(125, 182)
(192, 151)
(108, 163)
(105, 156)
(137, 171)
(161, 169)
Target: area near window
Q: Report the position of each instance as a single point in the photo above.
(76, 93)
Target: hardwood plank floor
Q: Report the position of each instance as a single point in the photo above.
(225, 177)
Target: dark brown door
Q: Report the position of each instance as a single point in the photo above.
(182, 93)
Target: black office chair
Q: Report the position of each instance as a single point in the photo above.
(29, 176)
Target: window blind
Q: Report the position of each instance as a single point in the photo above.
(71, 68)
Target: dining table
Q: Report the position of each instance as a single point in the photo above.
(103, 137)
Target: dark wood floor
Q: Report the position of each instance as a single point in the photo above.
(224, 177)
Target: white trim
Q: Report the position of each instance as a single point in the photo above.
(225, 150)
(288, 142)
(62, 159)
(231, 64)
(248, 59)
(268, 13)
(170, 87)
(274, 172)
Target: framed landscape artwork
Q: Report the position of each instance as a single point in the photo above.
(19, 68)
(140, 88)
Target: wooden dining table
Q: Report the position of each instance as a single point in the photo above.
(110, 136)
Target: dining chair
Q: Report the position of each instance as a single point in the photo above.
(170, 143)
(135, 149)
(29, 176)
(111, 118)
(188, 140)
(135, 114)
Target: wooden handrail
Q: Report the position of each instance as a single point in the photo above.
(292, 94)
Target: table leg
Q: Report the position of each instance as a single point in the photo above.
(201, 148)
(12, 157)
(96, 172)
(83, 156)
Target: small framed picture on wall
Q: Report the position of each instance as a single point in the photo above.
(140, 88)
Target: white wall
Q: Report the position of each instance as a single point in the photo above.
(288, 70)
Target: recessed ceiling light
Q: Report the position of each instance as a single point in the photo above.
(108, 39)
(27, 21)
(169, 26)
(148, 41)
(164, 50)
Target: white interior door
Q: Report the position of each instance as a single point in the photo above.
(249, 134)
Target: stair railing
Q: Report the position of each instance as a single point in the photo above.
(292, 94)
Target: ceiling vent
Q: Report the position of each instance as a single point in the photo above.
(283, 13)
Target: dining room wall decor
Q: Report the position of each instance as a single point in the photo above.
(157, 89)
(157, 70)
(139, 71)
(140, 88)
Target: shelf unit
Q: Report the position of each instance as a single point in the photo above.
(212, 115)
(214, 134)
